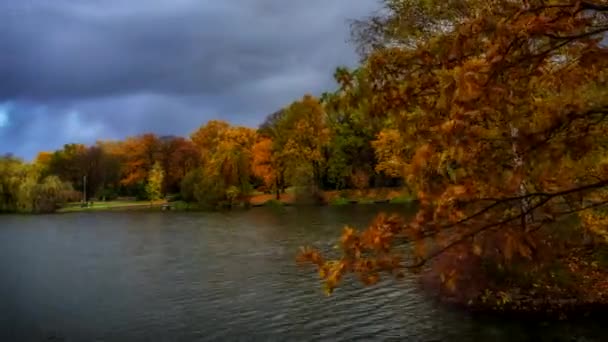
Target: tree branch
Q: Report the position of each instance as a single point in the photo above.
(578, 36)
(475, 232)
(547, 198)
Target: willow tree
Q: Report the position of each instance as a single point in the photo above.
(501, 107)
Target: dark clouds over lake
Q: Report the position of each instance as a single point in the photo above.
(79, 70)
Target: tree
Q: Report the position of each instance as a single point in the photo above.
(209, 136)
(501, 110)
(155, 183)
(391, 153)
(12, 172)
(138, 155)
(225, 173)
(273, 128)
(266, 166)
(48, 195)
(68, 164)
(230, 164)
(178, 157)
(350, 161)
(24, 189)
(104, 173)
(72, 163)
(43, 160)
(306, 138)
(190, 183)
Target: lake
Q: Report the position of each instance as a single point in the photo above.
(142, 276)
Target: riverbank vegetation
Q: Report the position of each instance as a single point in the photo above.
(498, 122)
(323, 149)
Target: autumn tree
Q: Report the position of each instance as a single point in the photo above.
(154, 182)
(208, 137)
(304, 146)
(178, 157)
(501, 112)
(138, 155)
(264, 165)
(230, 164)
(273, 130)
(43, 160)
(392, 154)
(226, 159)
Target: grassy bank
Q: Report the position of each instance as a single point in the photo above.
(112, 205)
(335, 197)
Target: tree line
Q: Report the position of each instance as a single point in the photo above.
(314, 144)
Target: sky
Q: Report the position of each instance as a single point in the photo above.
(82, 70)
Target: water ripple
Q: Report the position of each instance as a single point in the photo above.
(209, 277)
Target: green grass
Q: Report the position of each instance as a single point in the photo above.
(403, 199)
(339, 201)
(273, 203)
(109, 205)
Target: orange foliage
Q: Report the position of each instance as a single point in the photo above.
(209, 136)
(43, 159)
(179, 156)
(139, 155)
(263, 162)
(498, 123)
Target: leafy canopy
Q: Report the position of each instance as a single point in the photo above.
(499, 112)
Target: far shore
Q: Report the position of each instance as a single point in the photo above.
(288, 198)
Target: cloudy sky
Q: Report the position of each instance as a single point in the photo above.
(82, 70)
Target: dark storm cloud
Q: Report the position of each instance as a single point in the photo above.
(80, 70)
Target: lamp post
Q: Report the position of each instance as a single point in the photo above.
(84, 189)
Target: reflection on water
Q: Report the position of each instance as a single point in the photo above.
(215, 276)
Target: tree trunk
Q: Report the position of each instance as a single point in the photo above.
(526, 220)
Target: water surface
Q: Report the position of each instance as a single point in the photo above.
(215, 276)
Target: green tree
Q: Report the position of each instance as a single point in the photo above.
(304, 143)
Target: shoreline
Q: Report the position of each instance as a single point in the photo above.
(328, 198)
